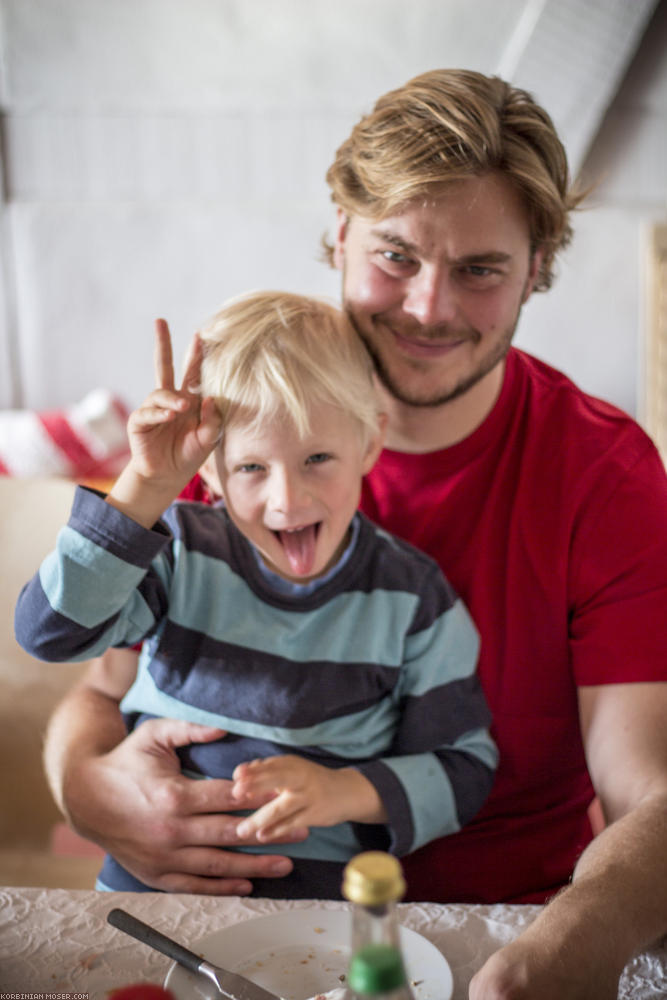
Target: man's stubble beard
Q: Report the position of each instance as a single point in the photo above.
(496, 354)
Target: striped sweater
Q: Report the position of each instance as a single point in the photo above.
(375, 668)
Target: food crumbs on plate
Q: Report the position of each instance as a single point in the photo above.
(319, 930)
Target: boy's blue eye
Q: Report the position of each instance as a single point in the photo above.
(250, 467)
(318, 457)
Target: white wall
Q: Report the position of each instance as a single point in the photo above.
(162, 155)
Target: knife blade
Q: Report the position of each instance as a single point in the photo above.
(229, 984)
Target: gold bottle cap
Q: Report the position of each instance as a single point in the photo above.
(373, 878)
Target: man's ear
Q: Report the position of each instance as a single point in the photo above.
(533, 273)
(375, 444)
(339, 242)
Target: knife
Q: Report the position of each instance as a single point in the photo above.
(228, 984)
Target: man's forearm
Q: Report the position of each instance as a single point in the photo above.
(615, 906)
(85, 723)
(624, 871)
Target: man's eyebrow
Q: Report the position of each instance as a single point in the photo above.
(398, 241)
(489, 257)
(485, 257)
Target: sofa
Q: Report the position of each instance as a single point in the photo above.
(36, 847)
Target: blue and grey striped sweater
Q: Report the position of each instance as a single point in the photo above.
(374, 668)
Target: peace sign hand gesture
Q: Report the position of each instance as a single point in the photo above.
(171, 434)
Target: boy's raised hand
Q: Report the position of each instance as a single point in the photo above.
(174, 430)
(170, 435)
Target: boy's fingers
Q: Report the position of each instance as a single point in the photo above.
(253, 783)
(210, 421)
(169, 399)
(164, 360)
(192, 371)
(160, 406)
(193, 347)
(148, 417)
(283, 831)
(261, 819)
(275, 821)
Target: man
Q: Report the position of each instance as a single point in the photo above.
(547, 510)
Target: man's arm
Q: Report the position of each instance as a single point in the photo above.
(88, 719)
(126, 793)
(617, 902)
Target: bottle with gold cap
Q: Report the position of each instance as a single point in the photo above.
(374, 883)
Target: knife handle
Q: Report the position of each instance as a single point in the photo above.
(136, 928)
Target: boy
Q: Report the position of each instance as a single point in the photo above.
(282, 618)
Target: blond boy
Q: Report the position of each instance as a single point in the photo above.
(333, 662)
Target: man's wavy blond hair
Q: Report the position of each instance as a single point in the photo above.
(449, 124)
(268, 355)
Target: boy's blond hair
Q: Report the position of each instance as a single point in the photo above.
(273, 354)
(447, 125)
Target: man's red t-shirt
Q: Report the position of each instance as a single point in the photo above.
(197, 490)
(551, 522)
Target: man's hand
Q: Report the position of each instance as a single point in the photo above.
(302, 794)
(164, 828)
(617, 902)
(546, 964)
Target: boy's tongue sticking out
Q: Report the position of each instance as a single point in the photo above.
(299, 546)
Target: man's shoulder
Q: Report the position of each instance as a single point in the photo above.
(569, 419)
(554, 389)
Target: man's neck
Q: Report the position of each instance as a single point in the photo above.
(419, 429)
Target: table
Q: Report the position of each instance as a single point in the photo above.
(58, 941)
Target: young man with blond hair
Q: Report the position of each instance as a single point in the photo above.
(547, 510)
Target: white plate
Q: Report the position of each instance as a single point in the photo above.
(298, 953)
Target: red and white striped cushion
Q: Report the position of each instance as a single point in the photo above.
(85, 441)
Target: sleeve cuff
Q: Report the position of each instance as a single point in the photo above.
(114, 531)
(399, 813)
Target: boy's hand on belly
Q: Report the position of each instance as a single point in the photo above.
(304, 794)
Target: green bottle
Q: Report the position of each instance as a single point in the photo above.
(373, 882)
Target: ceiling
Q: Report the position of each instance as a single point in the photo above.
(563, 49)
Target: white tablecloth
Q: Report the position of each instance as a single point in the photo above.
(58, 941)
